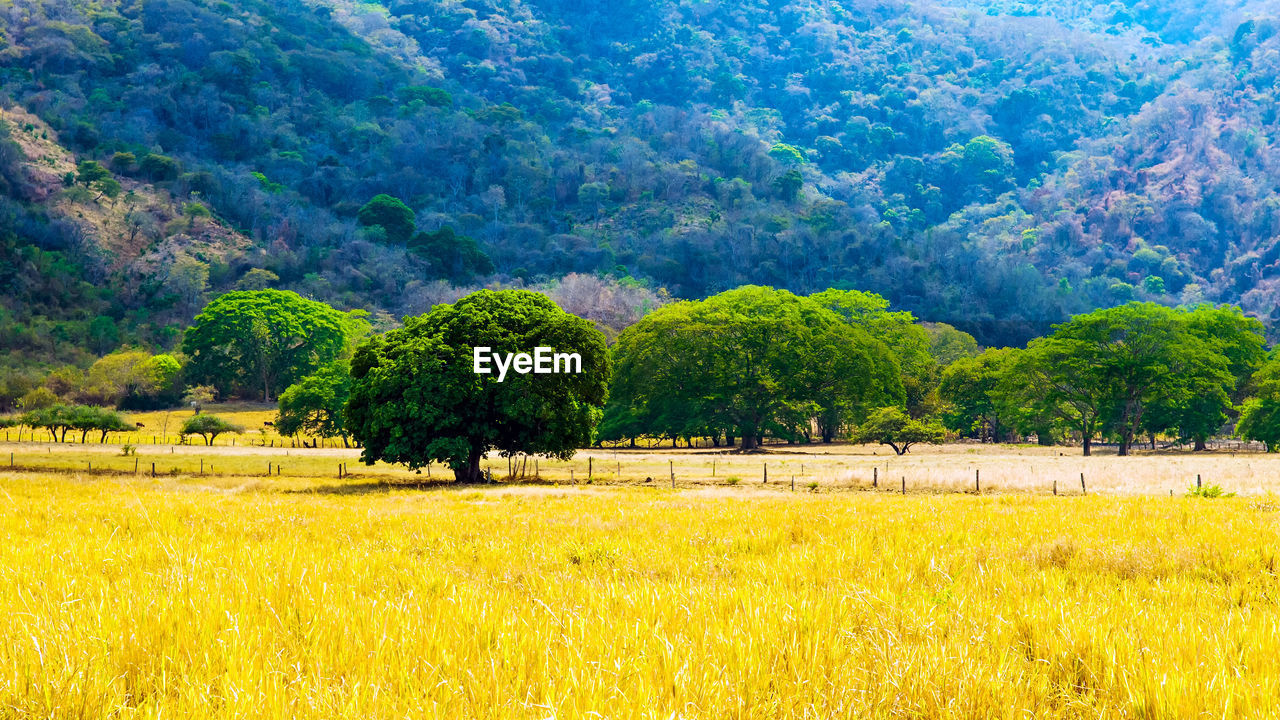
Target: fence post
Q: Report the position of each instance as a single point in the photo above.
(153, 469)
(766, 473)
(793, 483)
(1197, 481)
(904, 484)
(1082, 490)
(1055, 488)
(977, 481)
(590, 468)
(875, 477)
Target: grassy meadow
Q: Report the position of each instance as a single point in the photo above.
(217, 590)
(177, 597)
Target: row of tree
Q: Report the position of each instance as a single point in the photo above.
(58, 420)
(1124, 373)
(736, 368)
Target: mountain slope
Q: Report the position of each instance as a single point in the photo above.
(993, 166)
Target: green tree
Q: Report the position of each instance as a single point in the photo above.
(1260, 421)
(257, 279)
(56, 419)
(316, 404)
(453, 257)
(89, 172)
(748, 362)
(159, 168)
(87, 419)
(208, 427)
(970, 389)
(391, 214)
(263, 339)
(1104, 370)
(416, 398)
(909, 342)
(1239, 340)
(893, 427)
(947, 344)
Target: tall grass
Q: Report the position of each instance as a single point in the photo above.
(138, 598)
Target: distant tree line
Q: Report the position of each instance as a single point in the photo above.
(739, 369)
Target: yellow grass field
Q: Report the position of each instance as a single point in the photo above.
(224, 597)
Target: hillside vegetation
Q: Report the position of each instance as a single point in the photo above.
(997, 166)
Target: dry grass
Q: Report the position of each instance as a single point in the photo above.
(835, 468)
(130, 597)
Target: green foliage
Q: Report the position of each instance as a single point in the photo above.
(316, 405)
(1135, 367)
(261, 340)
(390, 214)
(415, 397)
(910, 344)
(971, 390)
(435, 97)
(893, 427)
(746, 363)
(1260, 422)
(159, 168)
(257, 279)
(91, 171)
(451, 255)
(60, 419)
(1209, 492)
(947, 344)
(208, 427)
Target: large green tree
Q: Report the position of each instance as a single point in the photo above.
(893, 427)
(971, 391)
(1260, 414)
(747, 363)
(262, 340)
(316, 404)
(1105, 370)
(416, 396)
(909, 343)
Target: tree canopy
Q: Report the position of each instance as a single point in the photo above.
(416, 398)
(262, 339)
(747, 363)
(316, 404)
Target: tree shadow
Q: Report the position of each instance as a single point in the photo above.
(369, 486)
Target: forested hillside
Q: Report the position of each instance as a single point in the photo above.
(997, 166)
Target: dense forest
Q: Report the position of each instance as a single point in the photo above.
(996, 166)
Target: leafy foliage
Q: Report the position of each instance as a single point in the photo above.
(316, 405)
(893, 427)
(746, 363)
(416, 399)
(208, 427)
(262, 339)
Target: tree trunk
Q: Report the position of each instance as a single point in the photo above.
(1200, 445)
(469, 473)
(1088, 445)
(749, 441)
(1124, 446)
